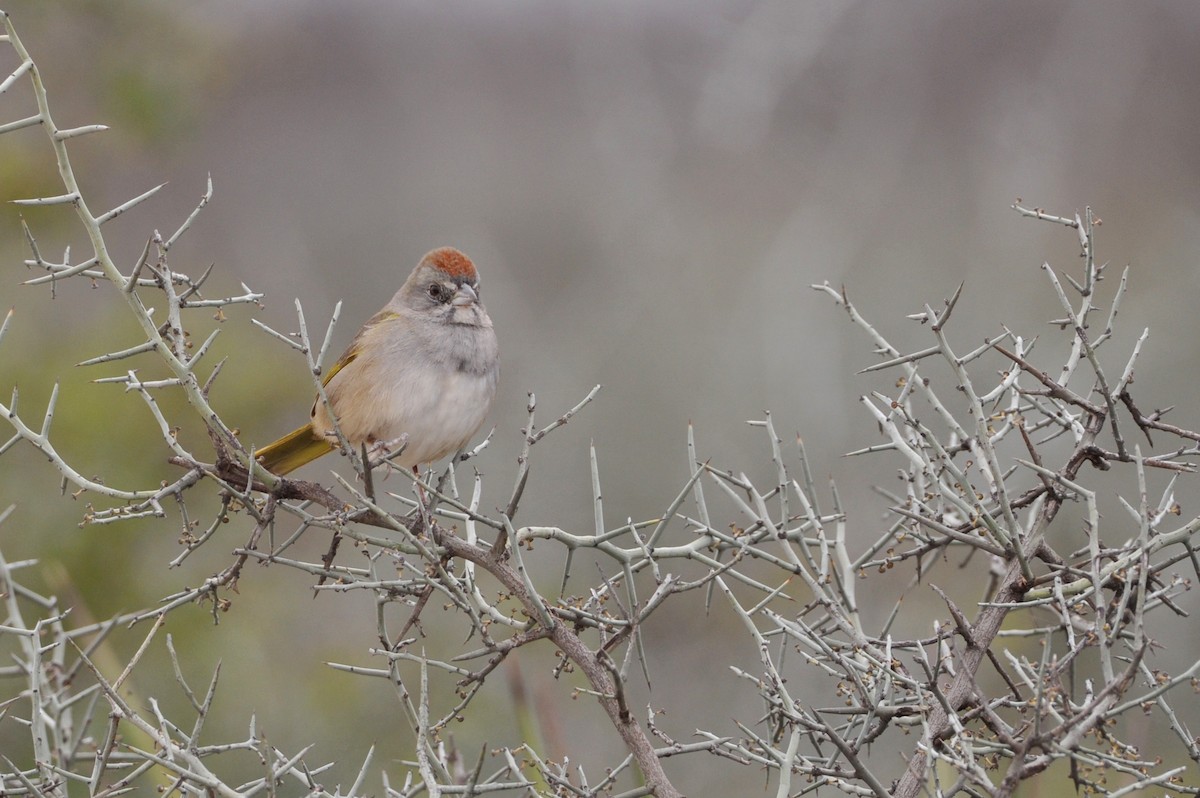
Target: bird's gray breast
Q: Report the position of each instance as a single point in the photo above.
(464, 349)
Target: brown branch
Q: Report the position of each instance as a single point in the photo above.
(982, 632)
(1147, 423)
(1055, 390)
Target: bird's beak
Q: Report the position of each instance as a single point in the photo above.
(465, 296)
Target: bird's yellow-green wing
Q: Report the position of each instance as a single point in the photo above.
(354, 348)
(302, 446)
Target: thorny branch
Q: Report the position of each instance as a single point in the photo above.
(980, 477)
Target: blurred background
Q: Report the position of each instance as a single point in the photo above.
(648, 189)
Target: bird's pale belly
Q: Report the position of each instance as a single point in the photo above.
(435, 421)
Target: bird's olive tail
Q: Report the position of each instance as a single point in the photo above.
(292, 451)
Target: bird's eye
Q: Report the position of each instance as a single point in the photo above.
(435, 290)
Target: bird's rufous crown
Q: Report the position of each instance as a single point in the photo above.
(452, 262)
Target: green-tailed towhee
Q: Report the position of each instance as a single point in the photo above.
(422, 371)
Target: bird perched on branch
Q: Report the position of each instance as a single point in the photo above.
(421, 373)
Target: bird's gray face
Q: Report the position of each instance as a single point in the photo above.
(447, 299)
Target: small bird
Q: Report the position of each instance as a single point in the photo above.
(420, 373)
